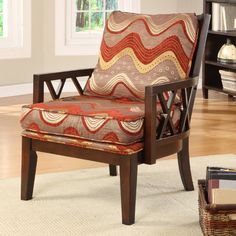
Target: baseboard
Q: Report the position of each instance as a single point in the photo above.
(27, 88)
(16, 89)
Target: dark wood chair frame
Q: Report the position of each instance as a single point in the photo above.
(157, 143)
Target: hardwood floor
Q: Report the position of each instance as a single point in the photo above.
(213, 126)
(213, 132)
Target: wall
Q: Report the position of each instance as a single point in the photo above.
(170, 6)
(190, 6)
(59, 63)
(43, 59)
(15, 71)
(159, 6)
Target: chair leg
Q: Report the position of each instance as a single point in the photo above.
(113, 170)
(128, 184)
(184, 166)
(28, 169)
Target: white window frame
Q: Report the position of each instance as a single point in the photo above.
(68, 42)
(16, 41)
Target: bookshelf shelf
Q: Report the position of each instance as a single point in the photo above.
(226, 33)
(211, 78)
(229, 92)
(221, 65)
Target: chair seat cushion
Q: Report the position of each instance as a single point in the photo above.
(82, 143)
(97, 119)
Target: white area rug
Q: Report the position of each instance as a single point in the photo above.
(87, 202)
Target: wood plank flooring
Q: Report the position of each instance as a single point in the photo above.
(213, 132)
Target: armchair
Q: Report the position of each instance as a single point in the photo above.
(136, 106)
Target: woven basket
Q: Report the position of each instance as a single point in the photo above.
(215, 219)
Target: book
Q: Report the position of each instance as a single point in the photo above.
(223, 17)
(212, 184)
(208, 173)
(226, 184)
(228, 79)
(223, 175)
(215, 16)
(219, 178)
(227, 74)
(220, 173)
(229, 85)
(220, 184)
(223, 196)
(230, 15)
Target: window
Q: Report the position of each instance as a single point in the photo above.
(92, 14)
(80, 32)
(2, 18)
(15, 35)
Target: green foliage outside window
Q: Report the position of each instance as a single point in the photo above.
(91, 14)
(1, 18)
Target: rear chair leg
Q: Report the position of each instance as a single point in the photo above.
(113, 170)
(128, 184)
(28, 169)
(184, 166)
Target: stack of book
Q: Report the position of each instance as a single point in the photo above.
(221, 185)
(228, 79)
(223, 16)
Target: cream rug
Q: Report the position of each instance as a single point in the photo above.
(87, 202)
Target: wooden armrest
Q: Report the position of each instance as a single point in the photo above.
(40, 79)
(156, 89)
(153, 136)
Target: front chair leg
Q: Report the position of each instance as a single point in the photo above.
(113, 170)
(184, 166)
(28, 169)
(128, 184)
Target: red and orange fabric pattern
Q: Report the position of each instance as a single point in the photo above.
(96, 119)
(139, 50)
(82, 143)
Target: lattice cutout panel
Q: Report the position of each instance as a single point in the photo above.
(166, 126)
(56, 93)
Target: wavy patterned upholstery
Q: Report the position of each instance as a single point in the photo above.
(90, 118)
(82, 143)
(139, 50)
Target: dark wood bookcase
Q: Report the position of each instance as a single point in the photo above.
(211, 79)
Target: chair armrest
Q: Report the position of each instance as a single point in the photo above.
(47, 78)
(152, 136)
(169, 86)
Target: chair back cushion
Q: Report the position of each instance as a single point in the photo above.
(139, 50)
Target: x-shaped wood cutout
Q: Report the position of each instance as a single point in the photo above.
(57, 93)
(187, 98)
(187, 95)
(166, 120)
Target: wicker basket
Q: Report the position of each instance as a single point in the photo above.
(215, 219)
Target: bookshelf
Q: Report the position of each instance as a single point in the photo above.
(211, 79)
